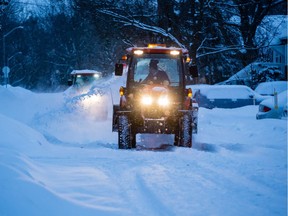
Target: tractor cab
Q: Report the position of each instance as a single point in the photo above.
(155, 99)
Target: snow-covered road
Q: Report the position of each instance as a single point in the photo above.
(56, 161)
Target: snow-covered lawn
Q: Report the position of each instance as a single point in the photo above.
(56, 160)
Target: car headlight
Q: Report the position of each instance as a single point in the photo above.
(96, 76)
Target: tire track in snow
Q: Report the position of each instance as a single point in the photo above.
(137, 185)
(150, 184)
(148, 195)
(254, 197)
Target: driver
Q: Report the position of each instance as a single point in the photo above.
(156, 75)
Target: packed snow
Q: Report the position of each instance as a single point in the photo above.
(58, 160)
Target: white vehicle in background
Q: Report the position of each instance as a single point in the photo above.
(269, 88)
(274, 107)
(82, 80)
(87, 95)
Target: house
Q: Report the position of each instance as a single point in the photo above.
(272, 38)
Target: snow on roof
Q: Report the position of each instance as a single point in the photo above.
(242, 74)
(245, 73)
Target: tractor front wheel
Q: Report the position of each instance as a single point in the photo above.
(124, 133)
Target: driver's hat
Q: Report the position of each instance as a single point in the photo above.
(153, 63)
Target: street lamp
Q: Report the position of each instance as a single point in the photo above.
(5, 68)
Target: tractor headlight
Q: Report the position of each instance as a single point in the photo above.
(146, 100)
(174, 52)
(138, 52)
(163, 101)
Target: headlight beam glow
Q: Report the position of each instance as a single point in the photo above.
(146, 100)
(163, 101)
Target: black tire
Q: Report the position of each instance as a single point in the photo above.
(133, 140)
(124, 132)
(186, 131)
(195, 122)
(177, 136)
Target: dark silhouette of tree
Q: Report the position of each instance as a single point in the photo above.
(251, 15)
(92, 34)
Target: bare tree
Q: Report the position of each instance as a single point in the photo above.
(251, 15)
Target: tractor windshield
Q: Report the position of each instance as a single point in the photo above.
(156, 69)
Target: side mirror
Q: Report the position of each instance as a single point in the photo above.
(193, 71)
(118, 69)
(70, 82)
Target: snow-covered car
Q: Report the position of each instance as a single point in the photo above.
(273, 107)
(269, 88)
(225, 96)
(82, 80)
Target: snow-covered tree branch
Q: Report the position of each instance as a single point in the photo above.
(130, 21)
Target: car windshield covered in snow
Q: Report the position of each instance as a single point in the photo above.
(269, 88)
(85, 79)
(147, 66)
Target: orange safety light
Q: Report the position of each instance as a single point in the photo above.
(188, 59)
(156, 45)
(189, 93)
(121, 91)
(124, 57)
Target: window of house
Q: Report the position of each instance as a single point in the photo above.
(277, 57)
